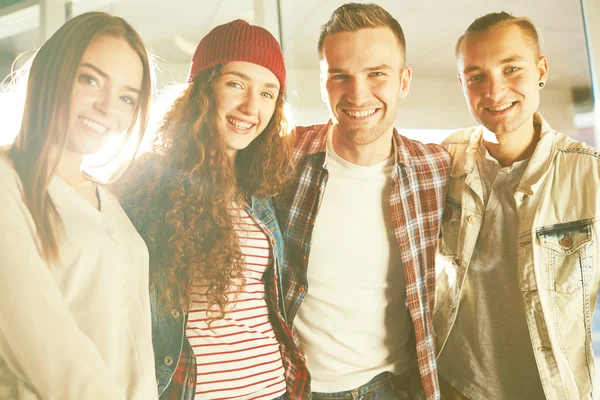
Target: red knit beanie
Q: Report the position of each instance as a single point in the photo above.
(239, 41)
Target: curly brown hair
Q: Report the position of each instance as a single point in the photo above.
(178, 196)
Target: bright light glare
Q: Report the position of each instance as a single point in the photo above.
(158, 110)
(11, 113)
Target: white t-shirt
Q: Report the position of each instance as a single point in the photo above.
(80, 329)
(353, 323)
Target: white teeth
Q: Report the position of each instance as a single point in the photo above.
(94, 126)
(501, 108)
(239, 124)
(360, 114)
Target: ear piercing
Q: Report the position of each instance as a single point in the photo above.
(542, 84)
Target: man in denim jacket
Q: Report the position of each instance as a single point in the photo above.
(517, 269)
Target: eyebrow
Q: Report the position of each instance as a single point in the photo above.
(506, 60)
(105, 75)
(247, 78)
(368, 69)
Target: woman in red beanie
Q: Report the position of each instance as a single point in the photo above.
(201, 200)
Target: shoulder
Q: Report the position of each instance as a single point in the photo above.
(580, 161)
(461, 137)
(9, 179)
(425, 154)
(304, 131)
(308, 138)
(569, 146)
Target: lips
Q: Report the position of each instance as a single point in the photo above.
(501, 107)
(240, 124)
(94, 125)
(361, 114)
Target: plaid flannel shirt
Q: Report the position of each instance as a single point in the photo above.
(417, 202)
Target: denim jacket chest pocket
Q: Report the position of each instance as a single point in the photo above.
(567, 257)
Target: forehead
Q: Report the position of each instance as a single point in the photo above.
(115, 57)
(497, 44)
(254, 72)
(363, 48)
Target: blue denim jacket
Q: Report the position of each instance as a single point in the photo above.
(168, 326)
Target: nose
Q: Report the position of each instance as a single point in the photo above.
(107, 101)
(249, 105)
(495, 89)
(358, 92)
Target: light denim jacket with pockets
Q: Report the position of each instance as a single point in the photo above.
(558, 208)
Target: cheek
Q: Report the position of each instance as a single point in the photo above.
(333, 92)
(388, 92)
(473, 96)
(266, 113)
(126, 116)
(225, 101)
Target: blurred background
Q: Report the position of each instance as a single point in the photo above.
(435, 105)
(570, 31)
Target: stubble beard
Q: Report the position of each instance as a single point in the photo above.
(361, 136)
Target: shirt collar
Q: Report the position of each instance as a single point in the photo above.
(538, 164)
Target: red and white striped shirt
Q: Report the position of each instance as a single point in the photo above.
(238, 357)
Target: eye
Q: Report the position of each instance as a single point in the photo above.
(512, 69)
(338, 77)
(475, 78)
(88, 80)
(268, 95)
(377, 74)
(128, 100)
(236, 85)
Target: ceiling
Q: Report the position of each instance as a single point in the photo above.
(172, 28)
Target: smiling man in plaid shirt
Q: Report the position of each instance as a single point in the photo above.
(360, 220)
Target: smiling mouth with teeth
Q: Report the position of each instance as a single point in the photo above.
(361, 114)
(239, 124)
(500, 108)
(96, 127)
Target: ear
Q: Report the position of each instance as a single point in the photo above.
(323, 83)
(542, 67)
(460, 81)
(323, 79)
(405, 78)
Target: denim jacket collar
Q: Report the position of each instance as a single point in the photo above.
(537, 167)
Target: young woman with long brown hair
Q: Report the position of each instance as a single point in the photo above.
(201, 200)
(75, 312)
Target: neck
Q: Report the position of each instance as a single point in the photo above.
(232, 154)
(363, 154)
(69, 169)
(511, 147)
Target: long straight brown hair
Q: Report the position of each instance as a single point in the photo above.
(40, 143)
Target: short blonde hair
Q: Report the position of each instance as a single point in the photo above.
(355, 16)
(497, 20)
